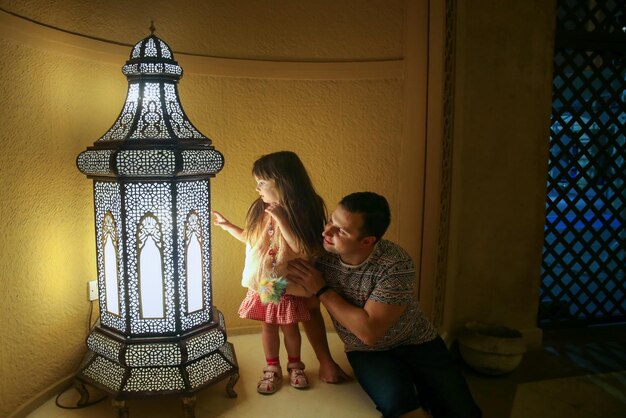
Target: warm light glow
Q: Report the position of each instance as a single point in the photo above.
(110, 276)
(151, 293)
(194, 275)
(111, 280)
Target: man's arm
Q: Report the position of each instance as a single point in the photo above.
(369, 323)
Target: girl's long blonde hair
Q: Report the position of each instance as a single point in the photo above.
(306, 211)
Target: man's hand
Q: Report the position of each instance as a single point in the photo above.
(369, 323)
(305, 274)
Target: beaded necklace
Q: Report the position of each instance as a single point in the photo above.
(272, 251)
(273, 287)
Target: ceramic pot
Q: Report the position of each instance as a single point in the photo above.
(490, 349)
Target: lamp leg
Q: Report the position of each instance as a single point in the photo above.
(120, 408)
(189, 406)
(231, 384)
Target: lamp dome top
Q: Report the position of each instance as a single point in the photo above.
(152, 56)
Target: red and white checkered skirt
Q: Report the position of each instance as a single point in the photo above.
(290, 310)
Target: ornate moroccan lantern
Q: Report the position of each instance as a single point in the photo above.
(159, 333)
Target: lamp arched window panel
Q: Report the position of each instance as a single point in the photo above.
(107, 202)
(194, 197)
(194, 263)
(150, 268)
(111, 278)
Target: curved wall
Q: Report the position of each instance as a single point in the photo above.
(281, 30)
(335, 96)
(338, 89)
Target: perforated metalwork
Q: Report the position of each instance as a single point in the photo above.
(136, 51)
(105, 346)
(207, 369)
(194, 197)
(180, 124)
(173, 69)
(202, 161)
(152, 68)
(155, 199)
(145, 355)
(146, 162)
(150, 124)
(154, 379)
(94, 162)
(106, 373)
(107, 199)
(227, 351)
(205, 344)
(150, 48)
(220, 317)
(130, 69)
(124, 122)
(584, 256)
(165, 50)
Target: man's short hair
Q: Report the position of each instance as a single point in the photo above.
(375, 211)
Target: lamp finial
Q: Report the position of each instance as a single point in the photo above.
(152, 28)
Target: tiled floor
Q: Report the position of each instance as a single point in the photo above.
(577, 374)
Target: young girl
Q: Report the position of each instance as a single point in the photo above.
(284, 223)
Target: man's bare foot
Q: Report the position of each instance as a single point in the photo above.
(330, 372)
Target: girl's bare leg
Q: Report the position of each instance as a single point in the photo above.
(271, 340)
(292, 339)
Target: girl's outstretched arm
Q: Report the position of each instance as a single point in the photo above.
(228, 226)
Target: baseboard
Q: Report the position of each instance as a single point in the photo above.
(255, 329)
(42, 397)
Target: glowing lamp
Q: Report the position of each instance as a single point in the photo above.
(158, 333)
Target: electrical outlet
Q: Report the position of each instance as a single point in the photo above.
(92, 287)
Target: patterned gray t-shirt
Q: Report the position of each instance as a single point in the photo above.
(387, 276)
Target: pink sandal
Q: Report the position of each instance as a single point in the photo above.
(270, 381)
(297, 377)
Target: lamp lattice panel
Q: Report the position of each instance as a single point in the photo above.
(193, 202)
(107, 199)
(154, 199)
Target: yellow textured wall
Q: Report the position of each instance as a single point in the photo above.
(257, 29)
(55, 104)
(47, 248)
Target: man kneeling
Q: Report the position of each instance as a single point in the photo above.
(367, 285)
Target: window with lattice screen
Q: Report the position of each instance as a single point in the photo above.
(584, 254)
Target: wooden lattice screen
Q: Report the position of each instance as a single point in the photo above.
(584, 255)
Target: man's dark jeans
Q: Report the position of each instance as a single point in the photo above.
(404, 378)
